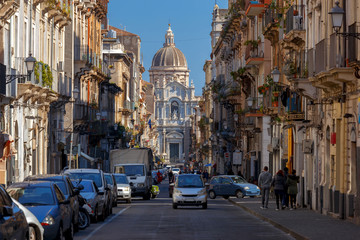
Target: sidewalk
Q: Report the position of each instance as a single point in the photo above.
(300, 223)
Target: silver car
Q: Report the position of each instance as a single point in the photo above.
(123, 187)
(91, 194)
(36, 231)
(189, 190)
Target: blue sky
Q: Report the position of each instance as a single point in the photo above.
(190, 21)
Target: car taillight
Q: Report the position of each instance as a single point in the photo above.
(90, 208)
(48, 220)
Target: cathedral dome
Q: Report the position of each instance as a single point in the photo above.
(169, 55)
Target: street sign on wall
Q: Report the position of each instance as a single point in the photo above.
(237, 157)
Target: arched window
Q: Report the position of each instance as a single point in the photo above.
(175, 110)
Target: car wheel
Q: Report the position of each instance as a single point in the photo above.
(226, 197)
(70, 232)
(175, 206)
(239, 194)
(32, 233)
(96, 217)
(212, 195)
(204, 205)
(115, 203)
(103, 213)
(60, 235)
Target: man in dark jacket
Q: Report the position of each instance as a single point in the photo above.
(285, 201)
(264, 182)
(278, 183)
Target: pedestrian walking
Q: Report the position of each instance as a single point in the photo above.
(285, 201)
(278, 183)
(292, 190)
(205, 175)
(264, 182)
(171, 177)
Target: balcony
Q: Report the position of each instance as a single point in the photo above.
(8, 8)
(295, 33)
(254, 8)
(59, 10)
(270, 27)
(127, 108)
(254, 54)
(294, 111)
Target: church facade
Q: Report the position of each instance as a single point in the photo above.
(175, 101)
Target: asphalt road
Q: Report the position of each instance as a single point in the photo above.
(156, 219)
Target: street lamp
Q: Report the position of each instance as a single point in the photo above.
(30, 64)
(276, 75)
(337, 16)
(250, 101)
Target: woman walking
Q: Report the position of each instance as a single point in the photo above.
(278, 183)
(291, 182)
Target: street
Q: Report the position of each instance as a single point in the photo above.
(156, 219)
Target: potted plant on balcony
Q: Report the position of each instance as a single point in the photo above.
(261, 89)
(274, 101)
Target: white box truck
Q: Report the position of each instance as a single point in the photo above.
(137, 164)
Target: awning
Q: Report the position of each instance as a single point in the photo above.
(87, 157)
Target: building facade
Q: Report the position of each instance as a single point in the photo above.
(174, 100)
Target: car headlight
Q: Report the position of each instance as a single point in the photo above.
(257, 188)
(48, 220)
(126, 189)
(202, 191)
(177, 191)
(246, 188)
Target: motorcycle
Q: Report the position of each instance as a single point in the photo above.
(84, 216)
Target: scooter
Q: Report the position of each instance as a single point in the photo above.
(84, 210)
(154, 191)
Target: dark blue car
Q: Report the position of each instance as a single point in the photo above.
(13, 224)
(46, 201)
(232, 185)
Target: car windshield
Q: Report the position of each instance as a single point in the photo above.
(130, 170)
(60, 183)
(189, 181)
(121, 179)
(32, 195)
(87, 186)
(238, 180)
(109, 179)
(96, 177)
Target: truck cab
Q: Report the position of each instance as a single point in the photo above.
(138, 176)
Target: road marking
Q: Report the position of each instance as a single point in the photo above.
(106, 222)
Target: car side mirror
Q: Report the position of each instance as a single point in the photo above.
(6, 211)
(131, 184)
(65, 202)
(107, 188)
(101, 193)
(172, 184)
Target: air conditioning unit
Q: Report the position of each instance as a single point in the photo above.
(275, 142)
(60, 67)
(298, 23)
(308, 146)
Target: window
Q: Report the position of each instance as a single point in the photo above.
(214, 181)
(60, 197)
(225, 181)
(175, 111)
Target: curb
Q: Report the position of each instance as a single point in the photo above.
(275, 224)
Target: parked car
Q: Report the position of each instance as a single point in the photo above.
(46, 201)
(91, 194)
(98, 177)
(13, 224)
(189, 189)
(36, 231)
(67, 188)
(110, 179)
(123, 187)
(232, 185)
